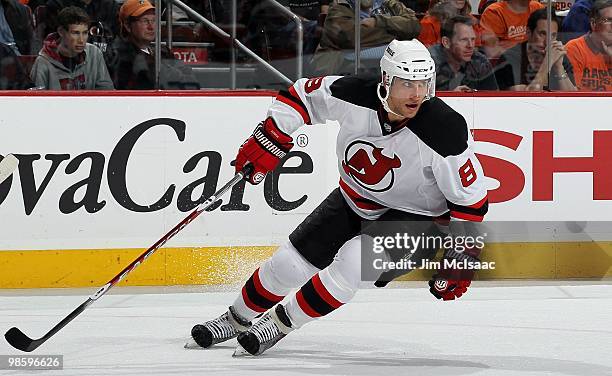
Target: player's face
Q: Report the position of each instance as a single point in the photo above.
(73, 40)
(406, 96)
(463, 42)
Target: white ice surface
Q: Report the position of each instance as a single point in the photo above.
(546, 329)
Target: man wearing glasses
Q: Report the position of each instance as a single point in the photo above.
(591, 54)
(131, 60)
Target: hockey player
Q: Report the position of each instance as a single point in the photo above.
(402, 153)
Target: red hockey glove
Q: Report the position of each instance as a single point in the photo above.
(264, 149)
(451, 281)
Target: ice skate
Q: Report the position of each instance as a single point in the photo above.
(221, 329)
(270, 329)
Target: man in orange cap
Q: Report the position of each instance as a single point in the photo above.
(131, 61)
(137, 18)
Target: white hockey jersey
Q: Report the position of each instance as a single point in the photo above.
(424, 165)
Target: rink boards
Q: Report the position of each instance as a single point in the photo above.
(102, 177)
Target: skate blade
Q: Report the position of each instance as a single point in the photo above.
(240, 352)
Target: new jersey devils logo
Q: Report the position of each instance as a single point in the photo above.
(441, 284)
(368, 167)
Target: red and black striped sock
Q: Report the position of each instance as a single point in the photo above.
(256, 296)
(315, 300)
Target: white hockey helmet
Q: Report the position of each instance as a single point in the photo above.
(409, 60)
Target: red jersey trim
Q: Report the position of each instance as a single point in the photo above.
(358, 200)
(467, 217)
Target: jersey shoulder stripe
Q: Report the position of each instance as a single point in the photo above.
(440, 127)
(357, 90)
(292, 99)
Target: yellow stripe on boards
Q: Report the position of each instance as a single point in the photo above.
(231, 265)
(95, 267)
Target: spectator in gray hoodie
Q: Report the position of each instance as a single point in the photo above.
(67, 61)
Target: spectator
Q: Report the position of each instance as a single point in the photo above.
(67, 61)
(12, 74)
(437, 14)
(131, 60)
(379, 26)
(591, 54)
(274, 33)
(16, 29)
(102, 13)
(484, 4)
(524, 66)
(459, 66)
(309, 11)
(440, 12)
(33, 4)
(505, 24)
(577, 22)
(419, 6)
(217, 11)
(261, 21)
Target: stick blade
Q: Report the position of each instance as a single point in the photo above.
(20, 341)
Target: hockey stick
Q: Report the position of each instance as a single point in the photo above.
(7, 166)
(19, 340)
